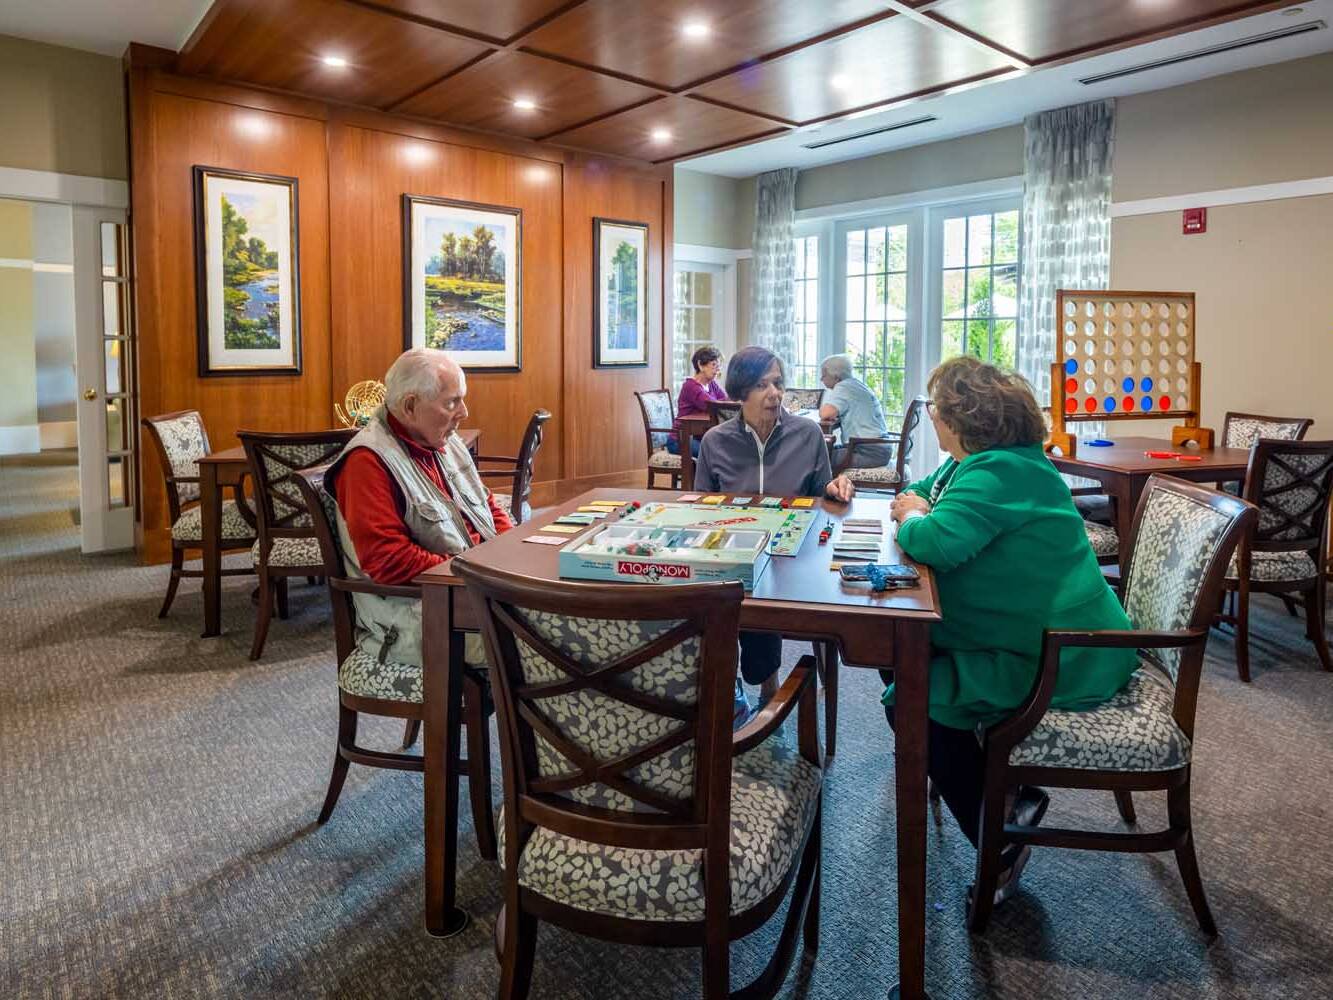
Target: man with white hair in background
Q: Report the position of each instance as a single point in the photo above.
(409, 498)
(858, 412)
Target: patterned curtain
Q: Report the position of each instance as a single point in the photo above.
(772, 308)
(1066, 223)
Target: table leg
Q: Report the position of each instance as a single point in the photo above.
(827, 658)
(210, 522)
(442, 692)
(686, 437)
(1126, 490)
(911, 695)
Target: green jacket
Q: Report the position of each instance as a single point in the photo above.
(1010, 558)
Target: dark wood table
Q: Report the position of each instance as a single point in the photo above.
(797, 597)
(697, 425)
(218, 472)
(1123, 470)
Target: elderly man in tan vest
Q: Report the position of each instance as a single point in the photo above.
(409, 498)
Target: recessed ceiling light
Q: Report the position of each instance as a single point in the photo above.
(661, 135)
(524, 104)
(695, 29)
(1293, 11)
(337, 62)
(839, 82)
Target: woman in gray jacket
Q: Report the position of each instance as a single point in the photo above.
(764, 451)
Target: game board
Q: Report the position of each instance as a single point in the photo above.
(1125, 356)
(787, 527)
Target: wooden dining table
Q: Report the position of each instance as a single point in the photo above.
(1124, 468)
(218, 472)
(796, 597)
(697, 425)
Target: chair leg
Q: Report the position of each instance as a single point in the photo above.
(1290, 602)
(264, 613)
(1243, 632)
(1314, 622)
(1124, 801)
(312, 580)
(520, 947)
(989, 845)
(346, 738)
(716, 958)
(177, 563)
(1178, 813)
(829, 659)
(280, 588)
(812, 908)
(410, 732)
(479, 769)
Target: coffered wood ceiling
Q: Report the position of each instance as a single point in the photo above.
(623, 76)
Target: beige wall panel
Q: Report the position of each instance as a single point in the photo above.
(1274, 123)
(1265, 301)
(706, 209)
(62, 110)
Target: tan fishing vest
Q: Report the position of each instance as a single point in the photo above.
(389, 628)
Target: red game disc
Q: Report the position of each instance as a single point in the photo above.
(1165, 404)
(1090, 405)
(1071, 405)
(1127, 403)
(1071, 385)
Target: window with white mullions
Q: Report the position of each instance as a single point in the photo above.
(875, 314)
(979, 284)
(804, 366)
(696, 313)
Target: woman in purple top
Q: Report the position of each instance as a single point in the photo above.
(695, 393)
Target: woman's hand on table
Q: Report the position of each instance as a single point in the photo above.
(841, 489)
(906, 505)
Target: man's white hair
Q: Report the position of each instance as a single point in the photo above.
(837, 367)
(419, 372)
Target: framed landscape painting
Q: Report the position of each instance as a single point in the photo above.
(247, 273)
(620, 291)
(461, 289)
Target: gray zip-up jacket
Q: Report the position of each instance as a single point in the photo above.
(793, 461)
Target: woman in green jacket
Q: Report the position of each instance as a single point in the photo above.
(998, 526)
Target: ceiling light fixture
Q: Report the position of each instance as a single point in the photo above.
(337, 62)
(524, 104)
(839, 82)
(1293, 11)
(661, 135)
(695, 29)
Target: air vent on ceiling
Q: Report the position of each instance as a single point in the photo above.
(1212, 50)
(869, 132)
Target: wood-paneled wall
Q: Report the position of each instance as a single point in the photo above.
(353, 167)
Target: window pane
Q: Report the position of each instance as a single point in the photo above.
(892, 398)
(1006, 237)
(703, 288)
(951, 339)
(898, 248)
(112, 265)
(682, 288)
(978, 293)
(812, 301)
(115, 425)
(978, 239)
(978, 338)
(856, 296)
(812, 256)
(875, 298)
(1006, 343)
(896, 337)
(895, 287)
(952, 295)
(1004, 301)
(112, 366)
(955, 242)
(856, 252)
(703, 325)
(875, 254)
(112, 325)
(115, 468)
(855, 338)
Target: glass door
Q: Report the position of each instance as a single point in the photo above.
(105, 362)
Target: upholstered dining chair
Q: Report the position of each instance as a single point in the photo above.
(515, 473)
(182, 440)
(722, 409)
(659, 417)
(1240, 430)
(377, 685)
(286, 546)
(889, 478)
(1141, 739)
(1290, 481)
(802, 399)
(632, 813)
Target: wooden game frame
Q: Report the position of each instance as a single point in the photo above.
(1188, 430)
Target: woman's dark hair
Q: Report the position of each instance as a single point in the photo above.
(705, 355)
(985, 406)
(747, 367)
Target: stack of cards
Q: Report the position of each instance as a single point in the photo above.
(860, 540)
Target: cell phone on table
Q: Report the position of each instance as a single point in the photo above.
(893, 571)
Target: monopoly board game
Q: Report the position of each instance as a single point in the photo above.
(786, 527)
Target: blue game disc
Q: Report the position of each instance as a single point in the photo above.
(1147, 402)
(1146, 385)
(1108, 404)
(1071, 367)
(1127, 385)
(1099, 443)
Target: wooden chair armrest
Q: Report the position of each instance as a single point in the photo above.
(182, 479)
(772, 715)
(661, 430)
(1009, 732)
(495, 458)
(497, 473)
(380, 589)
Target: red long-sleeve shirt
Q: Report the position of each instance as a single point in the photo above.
(373, 506)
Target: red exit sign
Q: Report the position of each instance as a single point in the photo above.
(1194, 220)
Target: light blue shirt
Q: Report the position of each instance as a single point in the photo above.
(859, 412)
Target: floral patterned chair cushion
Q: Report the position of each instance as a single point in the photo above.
(292, 552)
(774, 794)
(660, 412)
(235, 528)
(183, 441)
(1104, 539)
(1275, 567)
(663, 459)
(506, 501)
(802, 399)
(364, 675)
(1133, 731)
(1242, 432)
(877, 475)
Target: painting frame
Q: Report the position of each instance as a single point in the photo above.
(604, 354)
(415, 208)
(215, 358)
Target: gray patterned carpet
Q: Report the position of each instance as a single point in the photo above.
(159, 793)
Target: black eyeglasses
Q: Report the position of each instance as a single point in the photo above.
(930, 407)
